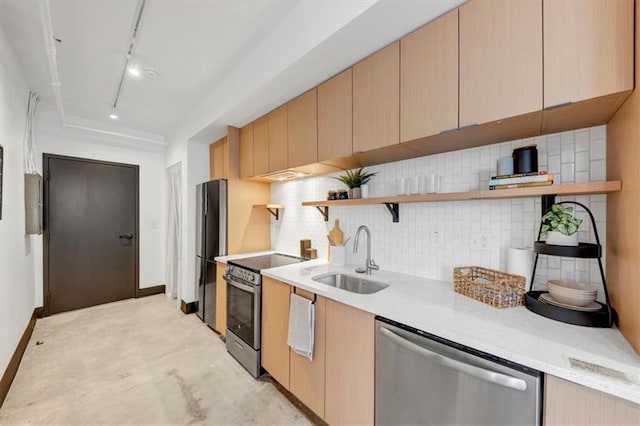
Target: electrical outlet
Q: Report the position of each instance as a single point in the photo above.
(479, 241)
(437, 239)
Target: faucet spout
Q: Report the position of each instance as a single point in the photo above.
(370, 264)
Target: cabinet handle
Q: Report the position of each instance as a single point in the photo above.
(455, 129)
(472, 370)
(558, 106)
(468, 126)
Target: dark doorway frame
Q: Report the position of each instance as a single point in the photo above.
(45, 218)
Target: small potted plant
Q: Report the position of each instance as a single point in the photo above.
(560, 226)
(354, 179)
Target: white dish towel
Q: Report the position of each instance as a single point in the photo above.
(301, 326)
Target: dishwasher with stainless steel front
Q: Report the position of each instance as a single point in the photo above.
(422, 379)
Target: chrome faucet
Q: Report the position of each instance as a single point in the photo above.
(370, 265)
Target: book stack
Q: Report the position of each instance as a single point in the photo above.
(523, 180)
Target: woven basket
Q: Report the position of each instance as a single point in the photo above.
(495, 288)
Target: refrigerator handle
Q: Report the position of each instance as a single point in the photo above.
(206, 200)
(222, 226)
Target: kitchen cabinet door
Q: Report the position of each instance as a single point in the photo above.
(278, 139)
(302, 129)
(567, 403)
(429, 79)
(246, 151)
(349, 364)
(335, 117)
(261, 146)
(307, 376)
(500, 59)
(219, 159)
(376, 100)
(588, 49)
(275, 328)
(221, 299)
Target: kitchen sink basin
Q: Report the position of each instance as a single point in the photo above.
(351, 283)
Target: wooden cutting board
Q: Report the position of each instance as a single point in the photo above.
(336, 234)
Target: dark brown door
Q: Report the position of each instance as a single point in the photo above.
(91, 229)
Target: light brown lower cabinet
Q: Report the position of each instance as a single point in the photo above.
(349, 365)
(221, 299)
(275, 328)
(567, 403)
(338, 384)
(306, 377)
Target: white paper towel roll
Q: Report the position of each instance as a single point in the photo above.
(520, 262)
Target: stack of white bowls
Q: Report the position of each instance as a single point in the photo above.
(572, 292)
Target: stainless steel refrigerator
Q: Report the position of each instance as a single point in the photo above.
(211, 241)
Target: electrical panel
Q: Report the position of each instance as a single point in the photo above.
(33, 203)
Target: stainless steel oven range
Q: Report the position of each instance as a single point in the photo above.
(244, 306)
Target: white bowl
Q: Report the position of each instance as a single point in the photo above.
(572, 292)
(571, 287)
(572, 299)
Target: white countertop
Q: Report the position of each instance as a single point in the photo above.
(224, 259)
(515, 334)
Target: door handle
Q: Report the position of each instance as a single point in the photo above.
(472, 370)
(245, 287)
(126, 236)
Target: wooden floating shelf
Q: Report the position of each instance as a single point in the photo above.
(274, 209)
(392, 201)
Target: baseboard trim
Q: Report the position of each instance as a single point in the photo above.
(14, 363)
(188, 308)
(150, 291)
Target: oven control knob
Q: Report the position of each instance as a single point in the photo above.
(252, 278)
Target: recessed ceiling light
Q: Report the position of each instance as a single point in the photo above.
(150, 73)
(134, 71)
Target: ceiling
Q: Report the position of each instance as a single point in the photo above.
(220, 62)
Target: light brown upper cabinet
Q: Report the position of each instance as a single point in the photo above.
(376, 100)
(275, 328)
(335, 117)
(500, 59)
(219, 159)
(246, 151)
(429, 79)
(302, 129)
(278, 139)
(588, 61)
(588, 49)
(261, 146)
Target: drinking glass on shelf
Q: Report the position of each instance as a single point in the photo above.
(433, 184)
(402, 186)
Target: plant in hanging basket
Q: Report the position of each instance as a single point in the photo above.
(560, 226)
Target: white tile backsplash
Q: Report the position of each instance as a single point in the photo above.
(407, 246)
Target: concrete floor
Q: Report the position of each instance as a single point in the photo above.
(139, 361)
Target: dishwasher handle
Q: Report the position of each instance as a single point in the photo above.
(480, 373)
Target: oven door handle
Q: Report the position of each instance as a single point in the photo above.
(238, 285)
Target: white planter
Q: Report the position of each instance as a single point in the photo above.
(559, 239)
(354, 192)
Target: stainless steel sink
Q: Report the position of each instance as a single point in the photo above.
(351, 283)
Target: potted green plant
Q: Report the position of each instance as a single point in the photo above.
(560, 226)
(354, 179)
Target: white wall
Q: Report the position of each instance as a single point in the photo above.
(17, 257)
(577, 156)
(53, 138)
(194, 157)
